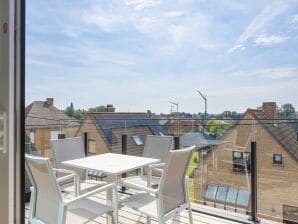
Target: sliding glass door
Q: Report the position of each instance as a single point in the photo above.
(10, 111)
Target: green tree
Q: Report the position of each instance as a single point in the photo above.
(216, 128)
(79, 114)
(286, 109)
(69, 111)
(97, 109)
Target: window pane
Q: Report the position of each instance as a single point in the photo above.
(211, 191)
(277, 158)
(137, 140)
(237, 155)
(91, 146)
(32, 137)
(54, 135)
(232, 196)
(221, 193)
(243, 198)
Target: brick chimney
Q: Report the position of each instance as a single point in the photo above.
(110, 108)
(50, 101)
(269, 108)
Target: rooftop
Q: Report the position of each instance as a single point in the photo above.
(43, 114)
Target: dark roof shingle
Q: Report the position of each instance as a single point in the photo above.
(283, 132)
(109, 121)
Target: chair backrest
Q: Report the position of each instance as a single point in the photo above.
(46, 197)
(158, 147)
(68, 149)
(172, 184)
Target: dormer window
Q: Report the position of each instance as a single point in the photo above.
(137, 140)
(277, 159)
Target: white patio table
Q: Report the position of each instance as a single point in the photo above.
(113, 165)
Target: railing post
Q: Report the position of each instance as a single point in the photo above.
(177, 142)
(253, 167)
(86, 143)
(124, 152)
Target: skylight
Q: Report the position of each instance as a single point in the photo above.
(137, 140)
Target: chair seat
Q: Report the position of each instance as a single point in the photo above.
(86, 185)
(85, 210)
(143, 203)
(141, 180)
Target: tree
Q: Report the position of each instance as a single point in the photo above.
(69, 111)
(97, 109)
(216, 128)
(286, 110)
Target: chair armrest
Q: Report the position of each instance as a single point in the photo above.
(67, 177)
(156, 165)
(142, 188)
(63, 171)
(86, 195)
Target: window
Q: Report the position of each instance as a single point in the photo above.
(277, 159)
(243, 198)
(91, 146)
(227, 195)
(161, 134)
(241, 161)
(32, 137)
(221, 193)
(211, 191)
(54, 135)
(232, 196)
(137, 140)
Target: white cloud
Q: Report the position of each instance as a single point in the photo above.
(70, 33)
(172, 14)
(271, 73)
(259, 23)
(270, 40)
(278, 73)
(107, 22)
(142, 4)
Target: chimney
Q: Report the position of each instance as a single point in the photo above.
(269, 108)
(50, 101)
(110, 108)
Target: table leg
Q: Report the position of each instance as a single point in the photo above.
(109, 197)
(149, 173)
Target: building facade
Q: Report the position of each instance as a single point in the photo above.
(45, 122)
(102, 132)
(223, 180)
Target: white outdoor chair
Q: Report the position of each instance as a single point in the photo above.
(171, 196)
(69, 149)
(156, 147)
(47, 204)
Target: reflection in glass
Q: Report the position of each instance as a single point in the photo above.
(243, 198)
(232, 195)
(211, 191)
(221, 193)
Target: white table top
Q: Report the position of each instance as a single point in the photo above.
(111, 163)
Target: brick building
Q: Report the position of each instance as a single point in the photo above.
(223, 180)
(102, 131)
(44, 122)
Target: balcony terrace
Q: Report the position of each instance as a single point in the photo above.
(129, 216)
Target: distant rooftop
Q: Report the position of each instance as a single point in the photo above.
(107, 121)
(43, 114)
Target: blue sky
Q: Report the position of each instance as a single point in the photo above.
(139, 54)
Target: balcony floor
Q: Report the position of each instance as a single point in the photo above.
(129, 216)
